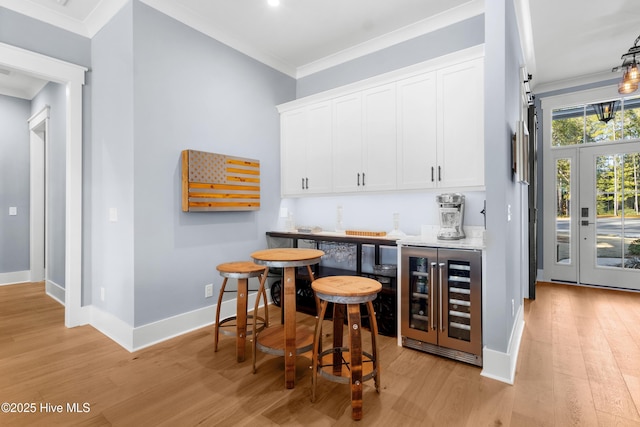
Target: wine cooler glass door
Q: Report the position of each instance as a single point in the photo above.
(419, 294)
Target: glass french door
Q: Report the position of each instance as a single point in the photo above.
(592, 216)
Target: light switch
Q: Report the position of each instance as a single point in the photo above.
(13, 210)
(508, 212)
(113, 214)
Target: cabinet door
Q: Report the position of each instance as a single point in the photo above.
(318, 149)
(347, 143)
(461, 124)
(293, 130)
(306, 150)
(379, 138)
(417, 135)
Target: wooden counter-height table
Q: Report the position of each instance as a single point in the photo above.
(288, 339)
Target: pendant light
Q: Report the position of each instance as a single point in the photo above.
(631, 76)
(606, 110)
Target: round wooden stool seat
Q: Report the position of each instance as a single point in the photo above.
(340, 363)
(242, 271)
(346, 289)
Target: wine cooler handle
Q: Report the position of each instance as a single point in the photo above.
(440, 294)
(432, 296)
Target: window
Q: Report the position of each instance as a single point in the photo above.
(579, 124)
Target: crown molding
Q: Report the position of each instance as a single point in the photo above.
(436, 22)
(543, 88)
(523, 16)
(47, 15)
(102, 14)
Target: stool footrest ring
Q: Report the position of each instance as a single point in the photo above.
(223, 324)
(342, 378)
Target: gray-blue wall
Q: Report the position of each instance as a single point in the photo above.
(160, 87)
(14, 184)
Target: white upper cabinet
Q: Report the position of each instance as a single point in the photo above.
(417, 134)
(379, 130)
(306, 150)
(417, 128)
(364, 140)
(461, 124)
(347, 143)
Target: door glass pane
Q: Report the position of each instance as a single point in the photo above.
(459, 300)
(630, 210)
(563, 211)
(631, 118)
(567, 126)
(608, 219)
(421, 294)
(618, 220)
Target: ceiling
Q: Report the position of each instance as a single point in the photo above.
(568, 40)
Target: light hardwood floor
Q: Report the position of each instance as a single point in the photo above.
(579, 365)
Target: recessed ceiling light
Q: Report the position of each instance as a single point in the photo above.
(273, 3)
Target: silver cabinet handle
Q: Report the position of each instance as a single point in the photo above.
(432, 296)
(432, 178)
(306, 180)
(440, 296)
(358, 180)
(303, 183)
(439, 173)
(363, 179)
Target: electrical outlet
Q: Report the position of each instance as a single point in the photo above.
(208, 291)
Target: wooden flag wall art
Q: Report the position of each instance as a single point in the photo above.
(217, 182)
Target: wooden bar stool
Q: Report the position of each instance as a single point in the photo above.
(345, 364)
(242, 271)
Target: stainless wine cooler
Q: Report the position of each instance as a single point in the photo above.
(441, 302)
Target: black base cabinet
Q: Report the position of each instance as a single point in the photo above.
(385, 304)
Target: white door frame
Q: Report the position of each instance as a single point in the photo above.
(553, 270)
(38, 135)
(72, 76)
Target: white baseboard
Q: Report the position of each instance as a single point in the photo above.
(55, 291)
(502, 366)
(134, 339)
(14, 277)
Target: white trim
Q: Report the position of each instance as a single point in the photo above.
(13, 277)
(573, 82)
(502, 366)
(434, 23)
(39, 122)
(101, 15)
(453, 58)
(523, 17)
(111, 326)
(137, 338)
(588, 96)
(73, 77)
(55, 291)
(45, 14)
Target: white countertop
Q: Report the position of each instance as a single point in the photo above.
(474, 239)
